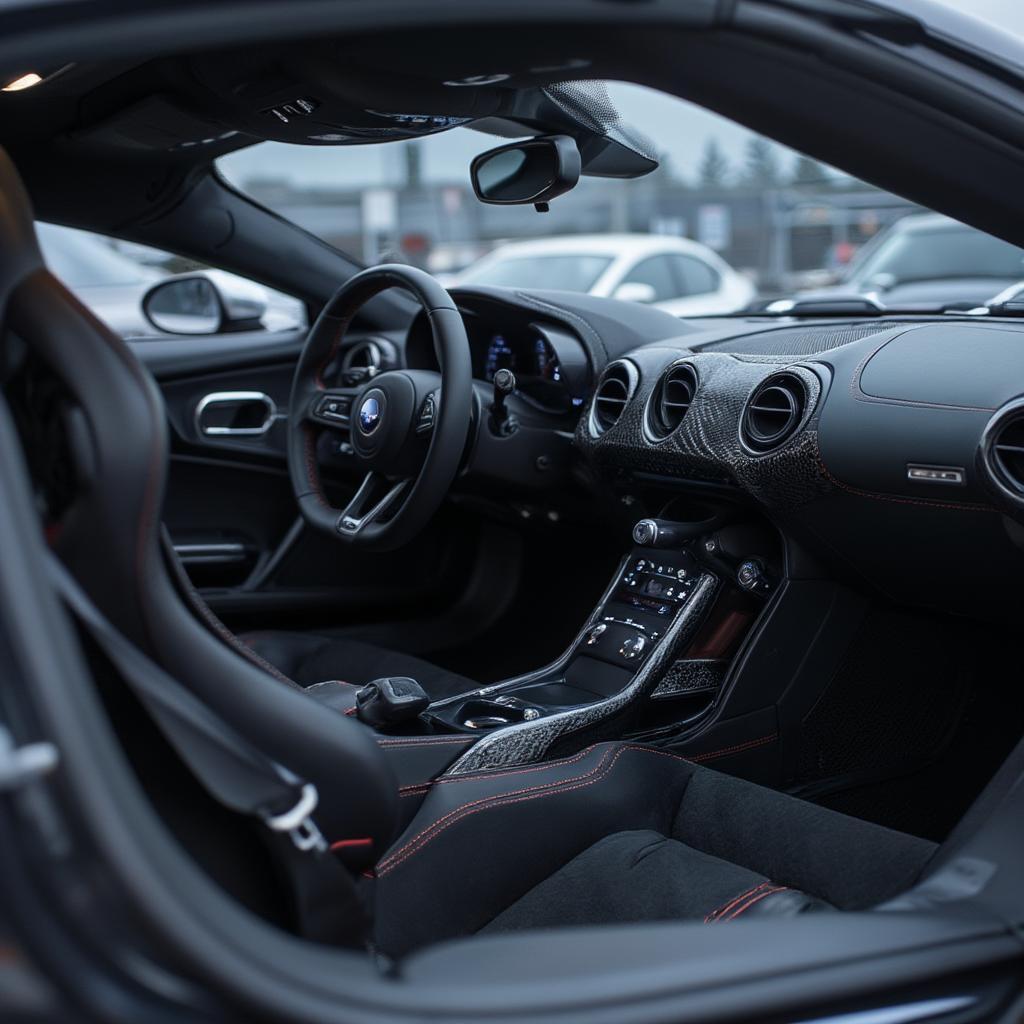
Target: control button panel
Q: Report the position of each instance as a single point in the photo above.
(335, 407)
(658, 587)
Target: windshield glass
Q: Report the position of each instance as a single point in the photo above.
(937, 253)
(573, 272)
(727, 219)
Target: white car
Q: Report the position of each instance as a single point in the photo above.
(677, 275)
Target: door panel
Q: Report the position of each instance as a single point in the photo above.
(230, 511)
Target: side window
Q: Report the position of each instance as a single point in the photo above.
(696, 276)
(655, 271)
(111, 277)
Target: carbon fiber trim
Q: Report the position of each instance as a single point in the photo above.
(692, 675)
(706, 446)
(530, 741)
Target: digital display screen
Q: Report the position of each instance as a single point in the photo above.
(527, 357)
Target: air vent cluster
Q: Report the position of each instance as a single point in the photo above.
(774, 412)
(1004, 453)
(613, 392)
(671, 399)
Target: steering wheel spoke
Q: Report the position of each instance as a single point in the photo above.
(331, 408)
(406, 427)
(376, 496)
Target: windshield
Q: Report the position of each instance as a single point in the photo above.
(729, 218)
(936, 254)
(573, 272)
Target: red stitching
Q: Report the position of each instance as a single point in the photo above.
(697, 758)
(596, 774)
(715, 914)
(423, 787)
(757, 899)
(962, 507)
(425, 741)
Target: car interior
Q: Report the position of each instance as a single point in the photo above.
(573, 630)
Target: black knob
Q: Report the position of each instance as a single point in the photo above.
(750, 575)
(658, 533)
(504, 382)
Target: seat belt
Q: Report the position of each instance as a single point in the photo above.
(237, 775)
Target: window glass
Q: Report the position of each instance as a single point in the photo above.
(111, 277)
(782, 223)
(576, 272)
(697, 277)
(655, 271)
(950, 252)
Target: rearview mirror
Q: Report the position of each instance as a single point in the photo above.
(635, 291)
(534, 171)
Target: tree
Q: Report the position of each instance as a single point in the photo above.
(714, 167)
(808, 171)
(413, 157)
(762, 163)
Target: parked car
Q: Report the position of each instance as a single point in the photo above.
(113, 284)
(929, 259)
(677, 275)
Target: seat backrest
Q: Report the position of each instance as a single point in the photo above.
(102, 419)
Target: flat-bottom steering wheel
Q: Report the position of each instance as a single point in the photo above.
(407, 428)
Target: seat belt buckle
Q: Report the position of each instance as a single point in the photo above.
(298, 823)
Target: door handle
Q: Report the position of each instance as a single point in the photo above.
(235, 414)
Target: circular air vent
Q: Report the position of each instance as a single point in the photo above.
(1002, 451)
(614, 390)
(671, 400)
(774, 412)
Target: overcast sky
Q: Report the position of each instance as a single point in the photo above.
(681, 131)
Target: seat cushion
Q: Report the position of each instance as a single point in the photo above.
(622, 832)
(309, 658)
(644, 876)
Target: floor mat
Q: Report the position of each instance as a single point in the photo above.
(894, 700)
(929, 797)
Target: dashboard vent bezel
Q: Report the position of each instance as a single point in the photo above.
(671, 400)
(1002, 456)
(774, 413)
(623, 376)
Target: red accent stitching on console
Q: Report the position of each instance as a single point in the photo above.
(557, 786)
(736, 749)
(428, 741)
(756, 899)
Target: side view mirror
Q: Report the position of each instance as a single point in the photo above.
(184, 305)
(534, 171)
(635, 291)
(194, 304)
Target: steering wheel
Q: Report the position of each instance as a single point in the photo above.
(406, 428)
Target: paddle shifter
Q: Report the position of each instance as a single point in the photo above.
(502, 422)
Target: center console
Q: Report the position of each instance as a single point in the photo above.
(648, 616)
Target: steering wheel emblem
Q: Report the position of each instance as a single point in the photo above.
(369, 415)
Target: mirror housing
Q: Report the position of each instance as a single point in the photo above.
(635, 291)
(532, 171)
(200, 304)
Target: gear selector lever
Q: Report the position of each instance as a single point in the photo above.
(391, 701)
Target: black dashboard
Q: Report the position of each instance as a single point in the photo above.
(884, 450)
